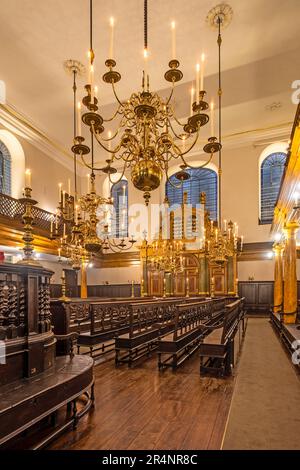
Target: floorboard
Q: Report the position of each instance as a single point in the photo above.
(142, 408)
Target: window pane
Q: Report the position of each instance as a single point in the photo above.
(119, 192)
(271, 173)
(202, 180)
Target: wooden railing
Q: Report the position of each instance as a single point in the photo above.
(14, 209)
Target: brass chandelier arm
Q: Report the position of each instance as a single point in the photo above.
(114, 115)
(189, 149)
(115, 93)
(200, 166)
(120, 179)
(91, 167)
(177, 135)
(171, 94)
(103, 146)
(109, 139)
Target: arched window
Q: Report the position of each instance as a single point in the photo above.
(201, 180)
(119, 193)
(271, 171)
(5, 170)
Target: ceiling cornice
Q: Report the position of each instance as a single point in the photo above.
(20, 125)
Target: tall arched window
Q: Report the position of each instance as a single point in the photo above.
(5, 170)
(119, 193)
(201, 180)
(271, 171)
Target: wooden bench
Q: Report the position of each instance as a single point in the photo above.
(147, 323)
(289, 334)
(176, 347)
(217, 347)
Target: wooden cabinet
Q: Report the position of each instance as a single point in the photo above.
(258, 295)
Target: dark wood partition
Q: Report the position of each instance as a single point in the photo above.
(258, 295)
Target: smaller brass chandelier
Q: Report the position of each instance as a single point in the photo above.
(166, 256)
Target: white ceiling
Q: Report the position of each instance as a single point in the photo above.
(37, 36)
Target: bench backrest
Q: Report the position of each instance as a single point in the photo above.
(231, 318)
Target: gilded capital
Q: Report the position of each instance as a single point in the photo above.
(290, 229)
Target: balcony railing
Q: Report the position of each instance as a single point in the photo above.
(13, 209)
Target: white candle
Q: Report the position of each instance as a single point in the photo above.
(28, 178)
(111, 41)
(64, 230)
(145, 63)
(212, 120)
(51, 226)
(92, 84)
(78, 119)
(202, 72)
(225, 225)
(197, 83)
(76, 214)
(96, 89)
(173, 27)
(59, 250)
(192, 100)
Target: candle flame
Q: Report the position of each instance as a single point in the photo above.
(202, 57)
(109, 134)
(28, 172)
(212, 105)
(197, 67)
(145, 53)
(173, 24)
(112, 21)
(78, 105)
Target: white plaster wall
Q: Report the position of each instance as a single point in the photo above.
(260, 270)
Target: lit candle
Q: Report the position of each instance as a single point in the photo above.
(96, 91)
(216, 232)
(76, 214)
(145, 62)
(64, 230)
(111, 42)
(92, 83)
(59, 251)
(78, 119)
(236, 229)
(64, 198)
(197, 83)
(202, 72)
(28, 179)
(192, 100)
(212, 120)
(173, 27)
(225, 225)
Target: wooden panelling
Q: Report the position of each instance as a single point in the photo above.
(258, 295)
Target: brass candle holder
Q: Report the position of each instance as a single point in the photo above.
(28, 230)
(63, 288)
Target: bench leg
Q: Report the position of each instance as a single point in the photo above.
(75, 419)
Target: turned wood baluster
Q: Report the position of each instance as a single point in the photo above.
(47, 311)
(41, 325)
(22, 326)
(2, 312)
(12, 330)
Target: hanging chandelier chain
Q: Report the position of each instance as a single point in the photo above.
(146, 24)
(91, 25)
(220, 119)
(74, 124)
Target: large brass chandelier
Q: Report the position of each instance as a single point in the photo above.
(148, 134)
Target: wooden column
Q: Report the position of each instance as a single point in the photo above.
(290, 276)
(278, 277)
(83, 287)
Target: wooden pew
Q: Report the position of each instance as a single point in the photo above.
(217, 347)
(179, 345)
(74, 315)
(147, 323)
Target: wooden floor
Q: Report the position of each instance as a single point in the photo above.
(141, 408)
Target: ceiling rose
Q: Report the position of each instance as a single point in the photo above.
(222, 11)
